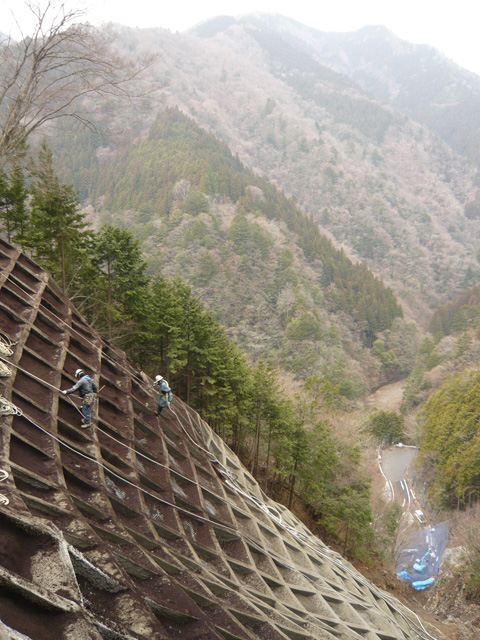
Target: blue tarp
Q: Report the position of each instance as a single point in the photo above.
(418, 558)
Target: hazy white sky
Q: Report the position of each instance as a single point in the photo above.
(449, 26)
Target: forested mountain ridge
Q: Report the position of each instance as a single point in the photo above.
(259, 263)
(381, 180)
(416, 80)
(383, 187)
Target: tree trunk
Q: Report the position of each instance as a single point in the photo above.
(109, 307)
(62, 257)
(256, 442)
(293, 479)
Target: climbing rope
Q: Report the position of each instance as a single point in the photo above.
(6, 345)
(8, 409)
(3, 476)
(5, 371)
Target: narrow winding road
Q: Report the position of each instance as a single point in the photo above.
(394, 464)
(394, 461)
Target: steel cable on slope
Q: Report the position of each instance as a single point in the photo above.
(232, 530)
(182, 510)
(72, 329)
(232, 482)
(138, 453)
(418, 628)
(226, 472)
(13, 410)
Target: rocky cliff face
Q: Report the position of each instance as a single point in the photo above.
(144, 526)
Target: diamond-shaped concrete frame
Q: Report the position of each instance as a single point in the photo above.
(145, 527)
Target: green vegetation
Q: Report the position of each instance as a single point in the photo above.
(461, 314)
(450, 444)
(171, 174)
(57, 232)
(201, 216)
(13, 196)
(44, 218)
(388, 427)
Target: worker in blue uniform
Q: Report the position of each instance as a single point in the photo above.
(165, 393)
(87, 390)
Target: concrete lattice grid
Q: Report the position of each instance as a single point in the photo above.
(145, 527)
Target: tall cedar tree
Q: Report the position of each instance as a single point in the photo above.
(58, 235)
(188, 346)
(13, 209)
(122, 286)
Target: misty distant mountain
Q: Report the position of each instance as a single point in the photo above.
(414, 79)
(329, 119)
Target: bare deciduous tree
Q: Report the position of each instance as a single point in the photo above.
(43, 76)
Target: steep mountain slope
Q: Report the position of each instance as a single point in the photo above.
(414, 79)
(386, 189)
(281, 287)
(461, 314)
(140, 527)
(383, 186)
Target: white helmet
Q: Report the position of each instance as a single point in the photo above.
(158, 378)
(78, 373)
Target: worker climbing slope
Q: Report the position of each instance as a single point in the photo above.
(165, 393)
(87, 390)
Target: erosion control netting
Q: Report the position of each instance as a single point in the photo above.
(142, 526)
(418, 558)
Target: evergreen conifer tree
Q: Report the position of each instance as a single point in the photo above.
(13, 208)
(58, 235)
(122, 285)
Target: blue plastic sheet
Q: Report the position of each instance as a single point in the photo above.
(418, 558)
